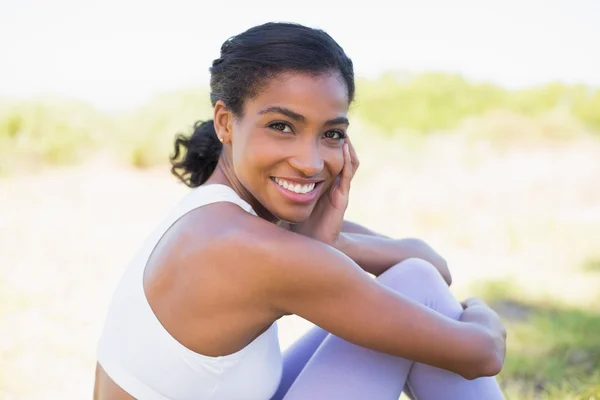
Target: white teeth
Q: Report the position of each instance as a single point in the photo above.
(296, 188)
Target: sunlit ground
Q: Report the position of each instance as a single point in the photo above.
(519, 226)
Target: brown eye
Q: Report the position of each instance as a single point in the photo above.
(335, 135)
(280, 126)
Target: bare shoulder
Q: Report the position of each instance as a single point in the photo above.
(238, 245)
(247, 245)
(291, 273)
(265, 267)
(269, 256)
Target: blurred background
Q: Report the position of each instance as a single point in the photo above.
(477, 124)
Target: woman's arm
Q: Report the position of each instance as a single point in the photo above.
(375, 253)
(293, 274)
(353, 227)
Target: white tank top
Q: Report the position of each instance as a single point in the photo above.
(142, 358)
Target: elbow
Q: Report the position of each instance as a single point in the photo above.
(447, 277)
(442, 266)
(445, 272)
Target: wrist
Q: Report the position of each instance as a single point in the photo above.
(487, 349)
(409, 248)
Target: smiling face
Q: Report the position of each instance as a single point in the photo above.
(286, 149)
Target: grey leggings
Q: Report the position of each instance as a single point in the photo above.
(322, 366)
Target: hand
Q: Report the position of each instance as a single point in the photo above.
(479, 313)
(419, 249)
(325, 222)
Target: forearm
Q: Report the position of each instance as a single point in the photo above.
(353, 227)
(393, 252)
(374, 254)
(469, 349)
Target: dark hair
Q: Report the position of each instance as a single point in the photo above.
(247, 62)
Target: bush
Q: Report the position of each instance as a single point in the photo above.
(145, 137)
(433, 101)
(424, 102)
(48, 131)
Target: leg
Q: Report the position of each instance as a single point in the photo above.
(341, 370)
(427, 382)
(296, 357)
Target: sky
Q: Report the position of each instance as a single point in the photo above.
(116, 54)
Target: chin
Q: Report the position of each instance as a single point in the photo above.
(294, 216)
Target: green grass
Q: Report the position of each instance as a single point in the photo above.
(431, 102)
(553, 350)
(144, 137)
(592, 265)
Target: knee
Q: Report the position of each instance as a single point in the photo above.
(411, 270)
(420, 281)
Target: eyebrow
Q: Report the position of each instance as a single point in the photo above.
(298, 117)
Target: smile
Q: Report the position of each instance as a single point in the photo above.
(294, 186)
(297, 192)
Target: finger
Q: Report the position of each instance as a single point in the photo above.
(353, 156)
(347, 173)
(474, 301)
(467, 302)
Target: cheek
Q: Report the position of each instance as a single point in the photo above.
(251, 155)
(334, 158)
(246, 164)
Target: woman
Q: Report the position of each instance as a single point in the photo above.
(262, 235)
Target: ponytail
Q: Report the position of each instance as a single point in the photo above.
(199, 154)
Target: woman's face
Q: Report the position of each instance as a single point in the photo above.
(287, 146)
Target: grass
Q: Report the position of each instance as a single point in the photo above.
(553, 351)
(48, 131)
(592, 265)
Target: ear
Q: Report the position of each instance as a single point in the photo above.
(223, 118)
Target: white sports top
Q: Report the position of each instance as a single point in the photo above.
(142, 358)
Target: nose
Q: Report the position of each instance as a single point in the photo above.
(307, 160)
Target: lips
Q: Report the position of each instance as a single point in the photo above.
(298, 191)
(296, 187)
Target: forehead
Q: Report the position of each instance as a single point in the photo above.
(314, 96)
